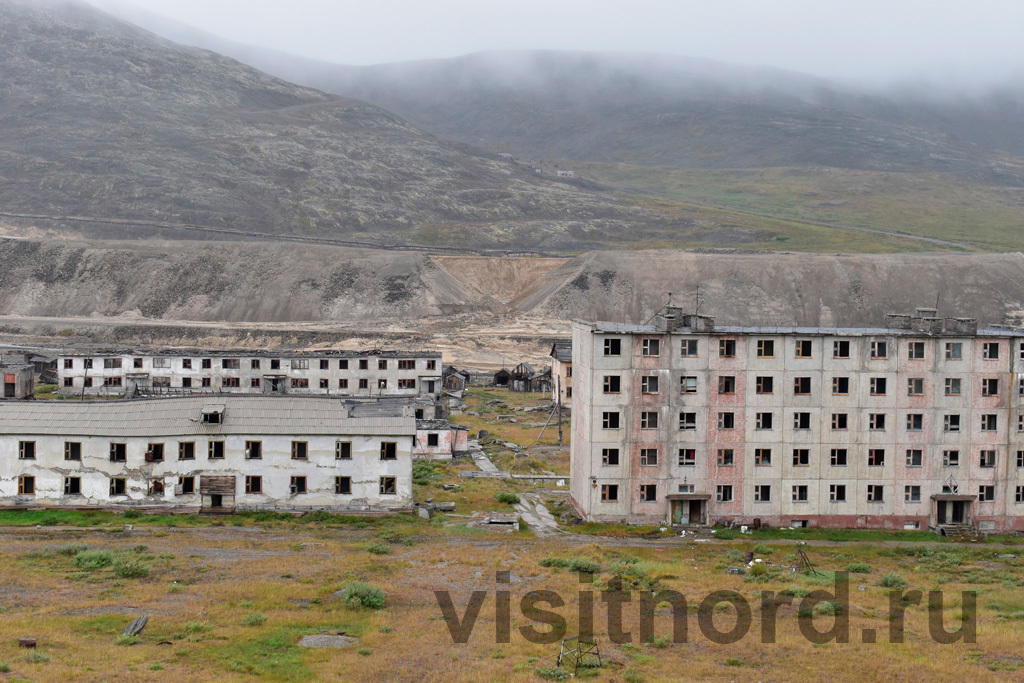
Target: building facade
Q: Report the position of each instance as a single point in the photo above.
(561, 372)
(334, 372)
(204, 453)
(19, 380)
(919, 424)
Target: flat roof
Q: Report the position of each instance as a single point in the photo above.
(617, 328)
(249, 353)
(243, 414)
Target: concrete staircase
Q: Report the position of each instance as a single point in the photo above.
(961, 533)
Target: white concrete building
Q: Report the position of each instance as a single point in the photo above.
(231, 452)
(561, 372)
(183, 371)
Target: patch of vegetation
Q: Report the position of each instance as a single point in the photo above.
(364, 595)
(423, 471)
(91, 560)
(378, 548)
(893, 580)
(858, 568)
(127, 639)
(71, 549)
(37, 657)
(552, 673)
(130, 568)
(364, 651)
(254, 619)
(828, 608)
(762, 549)
(575, 564)
(275, 657)
(507, 497)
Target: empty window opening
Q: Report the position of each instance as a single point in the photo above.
(389, 450)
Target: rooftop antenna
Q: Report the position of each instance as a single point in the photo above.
(660, 309)
(697, 301)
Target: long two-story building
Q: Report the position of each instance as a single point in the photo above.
(913, 425)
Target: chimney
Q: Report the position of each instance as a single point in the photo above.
(926, 312)
(962, 326)
(702, 323)
(928, 325)
(898, 321)
(670, 319)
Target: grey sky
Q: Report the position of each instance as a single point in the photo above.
(856, 39)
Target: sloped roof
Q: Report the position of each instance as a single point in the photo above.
(562, 351)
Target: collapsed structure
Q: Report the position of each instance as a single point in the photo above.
(209, 453)
(918, 424)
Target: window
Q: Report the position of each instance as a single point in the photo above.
(111, 363)
(364, 364)
(687, 385)
(297, 485)
(841, 349)
(765, 348)
(205, 382)
(876, 422)
(207, 363)
(1020, 422)
(876, 457)
(1020, 494)
(915, 350)
(610, 420)
(650, 347)
(726, 348)
(343, 450)
(162, 382)
(726, 384)
(186, 382)
(1020, 458)
(137, 363)
(610, 456)
(876, 493)
(299, 383)
(431, 365)
(87, 363)
(954, 350)
(723, 493)
(950, 458)
(648, 457)
(254, 364)
(26, 450)
(388, 486)
(801, 421)
(687, 421)
(990, 350)
(155, 452)
(111, 381)
(230, 382)
(215, 450)
(800, 493)
(801, 386)
(763, 457)
(406, 365)
(986, 494)
(838, 457)
(915, 457)
(87, 382)
(230, 363)
(325, 383)
(840, 385)
(405, 383)
(155, 487)
(725, 457)
(762, 493)
(26, 485)
(389, 450)
(688, 348)
(187, 450)
(364, 384)
(69, 364)
(69, 382)
(687, 457)
(382, 364)
(609, 493)
(300, 364)
(912, 494)
(952, 386)
(877, 386)
(879, 350)
(763, 421)
(275, 363)
(648, 493)
(612, 384)
(118, 486)
(839, 421)
(837, 493)
(649, 384)
(915, 422)
(726, 421)
(801, 457)
(764, 385)
(343, 384)
(187, 484)
(254, 484)
(253, 450)
(343, 486)
(648, 420)
(612, 347)
(212, 417)
(72, 450)
(915, 386)
(186, 363)
(951, 423)
(987, 459)
(990, 387)
(803, 348)
(989, 423)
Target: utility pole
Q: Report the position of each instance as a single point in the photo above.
(559, 402)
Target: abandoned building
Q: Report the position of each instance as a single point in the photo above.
(561, 372)
(916, 425)
(329, 372)
(19, 379)
(204, 453)
(524, 378)
(502, 377)
(456, 379)
(436, 438)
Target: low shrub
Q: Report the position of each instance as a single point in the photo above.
(130, 568)
(552, 673)
(378, 548)
(197, 626)
(254, 619)
(37, 657)
(364, 651)
(364, 595)
(93, 559)
(828, 608)
(858, 568)
(762, 549)
(893, 580)
(507, 497)
(71, 549)
(575, 564)
(127, 639)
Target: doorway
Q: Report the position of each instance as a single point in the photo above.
(688, 511)
(951, 512)
(216, 501)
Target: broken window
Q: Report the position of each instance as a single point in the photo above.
(118, 486)
(765, 385)
(253, 450)
(343, 384)
(300, 364)
(161, 382)
(986, 494)
(87, 382)
(156, 487)
(765, 348)
(726, 348)
(254, 484)
(111, 363)
(915, 457)
(800, 493)
(954, 351)
(382, 364)
(915, 350)
(801, 421)
(1020, 494)
(762, 457)
(725, 457)
(876, 493)
(406, 365)
(326, 364)
(155, 452)
(275, 363)
(687, 457)
(87, 363)
(206, 382)
(648, 493)
(207, 363)
(382, 384)
(803, 348)
(26, 485)
(299, 450)
(402, 384)
(648, 457)
(343, 486)
(762, 493)
(687, 421)
(838, 457)
(297, 485)
(837, 493)
(952, 386)
(610, 420)
(388, 486)
(389, 450)
(876, 457)
(726, 384)
(990, 350)
(990, 387)
(879, 350)
(723, 493)
(688, 348)
(26, 450)
(324, 383)
(840, 421)
(951, 423)
(69, 364)
(649, 384)
(72, 486)
(187, 450)
(299, 383)
(687, 385)
(648, 420)
(763, 421)
(254, 364)
(111, 381)
(950, 458)
(841, 349)
(876, 421)
(989, 423)
(987, 459)
(69, 382)
(727, 421)
(612, 347)
(609, 456)
(230, 382)
(915, 386)
(364, 364)
(1020, 458)
(912, 494)
(137, 363)
(840, 385)
(186, 363)
(433, 439)
(186, 382)
(650, 347)
(878, 386)
(431, 365)
(609, 493)
(215, 450)
(118, 452)
(186, 486)
(343, 450)
(72, 450)
(915, 422)
(801, 386)
(801, 457)
(364, 384)
(231, 363)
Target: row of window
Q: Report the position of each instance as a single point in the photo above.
(877, 386)
(187, 485)
(801, 457)
(804, 348)
(215, 450)
(726, 420)
(254, 364)
(799, 493)
(236, 382)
